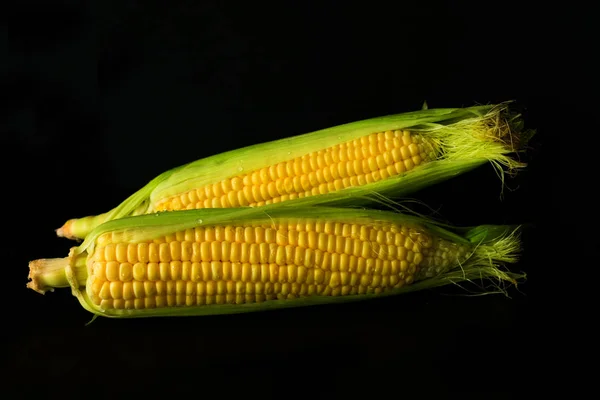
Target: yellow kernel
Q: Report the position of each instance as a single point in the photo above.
(391, 171)
(112, 270)
(190, 300)
(192, 196)
(265, 271)
(361, 266)
(180, 287)
(236, 183)
(221, 287)
(196, 272)
(138, 304)
(230, 271)
(370, 266)
(138, 289)
(175, 267)
(239, 287)
(265, 250)
(259, 288)
(378, 266)
(161, 301)
(125, 272)
(376, 281)
(365, 280)
(201, 288)
(104, 239)
(404, 266)
(132, 253)
(282, 273)
(175, 250)
(273, 272)
(413, 149)
(106, 304)
(401, 253)
(333, 263)
(270, 235)
(404, 150)
(253, 254)
(209, 234)
(150, 302)
(121, 252)
(211, 288)
(129, 304)
(244, 252)
(153, 271)
(381, 237)
(215, 270)
(164, 268)
(99, 270)
(96, 287)
(109, 252)
(301, 273)
(335, 279)
(171, 287)
(116, 290)
(186, 270)
(161, 287)
(128, 291)
(418, 258)
(400, 167)
(379, 160)
(292, 273)
(396, 154)
(215, 251)
(153, 253)
(344, 278)
(104, 292)
(196, 252)
(269, 288)
(205, 253)
(319, 275)
(394, 267)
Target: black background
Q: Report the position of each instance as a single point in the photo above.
(104, 96)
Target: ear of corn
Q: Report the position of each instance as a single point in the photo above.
(392, 156)
(219, 261)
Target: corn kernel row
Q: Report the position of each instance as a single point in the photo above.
(368, 159)
(323, 284)
(246, 272)
(284, 293)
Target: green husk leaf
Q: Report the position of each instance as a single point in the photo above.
(491, 247)
(466, 137)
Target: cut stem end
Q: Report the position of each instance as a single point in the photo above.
(47, 274)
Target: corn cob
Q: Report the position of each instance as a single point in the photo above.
(217, 261)
(391, 156)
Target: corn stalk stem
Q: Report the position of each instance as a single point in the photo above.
(49, 273)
